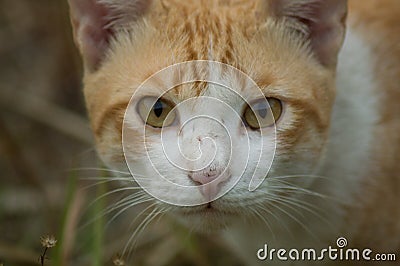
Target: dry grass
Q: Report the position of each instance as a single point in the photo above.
(44, 135)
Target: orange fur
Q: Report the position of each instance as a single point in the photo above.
(378, 218)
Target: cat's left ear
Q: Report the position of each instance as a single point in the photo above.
(321, 21)
(95, 22)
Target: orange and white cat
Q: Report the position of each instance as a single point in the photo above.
(329, 75)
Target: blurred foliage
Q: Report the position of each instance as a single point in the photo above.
(39, 78)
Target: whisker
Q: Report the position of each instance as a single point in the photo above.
(100, 215)
(99, 169)
(295, 188)
(299, 176)
(102, 178)
(279, 221)
(125, 206)
(265, 220)
(305, 206)
(290, 186)
(300, 203)
(292, 217)
(105, 181)
(112, 207)
(113, 192)
(137, 196)
(277, 198)
(135, 236)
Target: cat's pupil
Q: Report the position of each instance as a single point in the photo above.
(158, 108)
(262, 111)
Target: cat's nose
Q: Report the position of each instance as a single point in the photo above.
(209, 181)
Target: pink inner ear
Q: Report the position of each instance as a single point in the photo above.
(95, 21)
(322, 20)
(95, 37)
(89, 20)
(123, 12)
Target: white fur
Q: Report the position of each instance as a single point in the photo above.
(354, 117)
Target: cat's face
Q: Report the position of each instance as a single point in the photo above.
(206, 125)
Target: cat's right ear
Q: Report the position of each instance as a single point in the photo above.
(95, 22)
(320, 22)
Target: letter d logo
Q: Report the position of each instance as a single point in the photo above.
(262, 253)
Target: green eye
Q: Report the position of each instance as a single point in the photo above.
(263, 113)
(156, 112)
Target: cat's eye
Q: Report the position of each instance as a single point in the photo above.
(263, 113)
(156, 112)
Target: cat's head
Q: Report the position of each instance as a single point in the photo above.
(263, 110)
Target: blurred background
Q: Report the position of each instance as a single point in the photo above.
(50, 174)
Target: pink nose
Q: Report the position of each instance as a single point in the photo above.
(209, 181)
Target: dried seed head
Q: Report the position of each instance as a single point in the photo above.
(48, 241)
(118, 261)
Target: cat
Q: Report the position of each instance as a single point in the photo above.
(328, 73)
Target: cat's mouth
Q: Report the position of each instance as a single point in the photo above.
(206, 218)
(208, 209)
